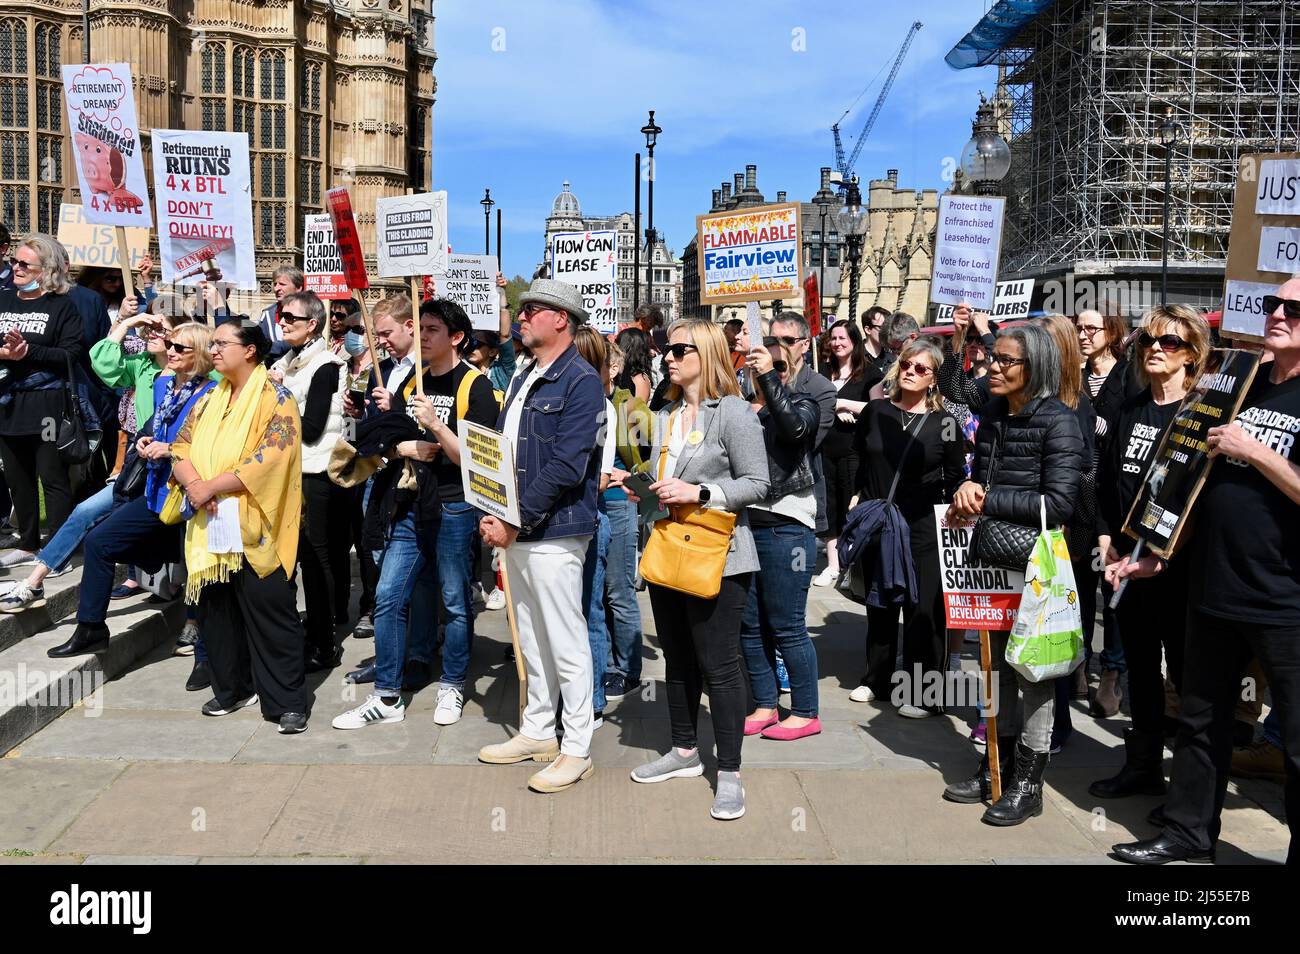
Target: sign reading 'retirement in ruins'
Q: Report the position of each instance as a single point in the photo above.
(975, 595)
(967, 246)
(105, 144)
(412, 234)
(589, 261)
(487, 470)
(1182, 461)
(471, 282)
(750, 255)
(1264, 244)
(321, 264)
(205, 207)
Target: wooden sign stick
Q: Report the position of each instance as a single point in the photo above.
(415, 317)
(520, 670)
(990, 720)
(369, 328)
(124, 258)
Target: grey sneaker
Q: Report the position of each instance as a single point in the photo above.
(729, 802)
(669, 766)
(18, 558)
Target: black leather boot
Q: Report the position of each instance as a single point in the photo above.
(979, 787)
(86, 638)
(1023, 799)
(1141, 774)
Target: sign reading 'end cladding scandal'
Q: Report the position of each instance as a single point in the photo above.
(750, 255)
(975, 595)
(968, 243)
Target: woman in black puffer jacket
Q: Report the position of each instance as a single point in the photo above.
(1029, 447)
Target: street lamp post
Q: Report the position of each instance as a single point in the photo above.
(986, 160)
(1169, 135)
(825, 209)
(651, 131)
(852, 220)
(487, 204)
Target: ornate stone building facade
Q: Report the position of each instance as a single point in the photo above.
(330, 92)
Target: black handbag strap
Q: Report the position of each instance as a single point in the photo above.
(898, 471)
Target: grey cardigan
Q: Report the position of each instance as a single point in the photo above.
(731, 457)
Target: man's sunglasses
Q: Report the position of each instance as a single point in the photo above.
(1167, 342)
(532, 308)
(788, 341)
(1290, 307)
(679, 351)
(921, 370)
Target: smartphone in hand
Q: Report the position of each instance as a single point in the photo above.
(650, 508)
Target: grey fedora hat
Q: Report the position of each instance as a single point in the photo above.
(556, 294)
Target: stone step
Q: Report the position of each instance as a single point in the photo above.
(61, 595)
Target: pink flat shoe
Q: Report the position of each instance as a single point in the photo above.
(782, 734)
(755, 726)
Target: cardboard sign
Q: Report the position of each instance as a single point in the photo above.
(320, 259)
(346, 238)
(96, 245)
(975, 595)
(471, 282)
(750, 255)
(487, 470)
(1010, 301)
(967, 246)
(106, 144)
(412, 234)
(1182, 461)
(205, 209)
(1265, 215)
(589, 261)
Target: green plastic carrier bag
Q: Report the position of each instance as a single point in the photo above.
(1047, 639)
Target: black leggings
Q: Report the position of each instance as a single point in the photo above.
(28, 458)
(701, 644)
(924, 633)
(1151, 613)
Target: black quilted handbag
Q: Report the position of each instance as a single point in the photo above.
(999, 542)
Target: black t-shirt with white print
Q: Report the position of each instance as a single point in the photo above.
(1140, 427)
(1245, 548)
(482, 409)
(52, 329)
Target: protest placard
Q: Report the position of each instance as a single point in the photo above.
(321, 264)
(412, 234)
(589, 261)
(1010, 301)
(346, 238)
(975, 595)
(471, 282)
(96, 245)
(106, 144)
(968, 243)
(487, 470)
(1262, 249)
(750, 255)
(1182, 461)
(205, 210)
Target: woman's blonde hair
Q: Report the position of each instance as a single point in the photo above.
(53, 260)
(717, 374)
(1066, 336)
(893, 388)
(194, 334)
(593, 347)
(1192, 328)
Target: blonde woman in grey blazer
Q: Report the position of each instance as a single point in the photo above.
(712, 452)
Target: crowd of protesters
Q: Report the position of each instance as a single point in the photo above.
(242, 459)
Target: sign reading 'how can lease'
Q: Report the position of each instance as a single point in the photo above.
(750, 255)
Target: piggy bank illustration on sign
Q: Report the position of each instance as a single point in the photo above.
(105, 172)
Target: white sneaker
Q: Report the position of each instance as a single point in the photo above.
(22, 597)
(825, 578)
(496, 600)
(915, 712)
(450, 704)
(476, 593)
(862, 694)
(371, 712)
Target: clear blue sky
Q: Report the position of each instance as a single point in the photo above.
(533, 93)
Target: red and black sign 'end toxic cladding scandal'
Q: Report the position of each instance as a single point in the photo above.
(975, 595)
(347, 239)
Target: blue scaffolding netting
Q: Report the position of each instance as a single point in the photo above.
(986, 40)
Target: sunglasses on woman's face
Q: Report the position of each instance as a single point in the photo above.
(179, 348)
(1290, 306)
(679, 351)
(1167, 342)
(920, 370)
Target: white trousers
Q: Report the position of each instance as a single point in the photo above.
(546, 588)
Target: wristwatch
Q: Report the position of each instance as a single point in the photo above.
(704, 493)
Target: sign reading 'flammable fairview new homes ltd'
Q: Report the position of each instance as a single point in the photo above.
(750, 255)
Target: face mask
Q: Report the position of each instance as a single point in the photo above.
(354, 343)
(30, 286)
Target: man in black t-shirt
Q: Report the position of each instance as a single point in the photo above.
(1244, 564)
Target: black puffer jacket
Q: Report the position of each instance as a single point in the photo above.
(1018, 458)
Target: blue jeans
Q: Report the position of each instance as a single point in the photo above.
(593, 601)
(80, 522)
(409, 559)
(1273, 728)
(620, 588)
(455, 557)
(775, 618)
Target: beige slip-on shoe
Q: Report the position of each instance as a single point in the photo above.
(564, 772)
(519, 749)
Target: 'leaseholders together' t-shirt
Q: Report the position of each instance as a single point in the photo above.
(1245, 548)
(482, 409)
(52, 329)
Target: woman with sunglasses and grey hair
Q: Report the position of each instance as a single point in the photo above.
(1028, 453)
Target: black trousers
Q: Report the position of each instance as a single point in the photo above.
(1085, 581)
(1218, 651)
(1151, 615)
(701, 644)
(255, 641)
(369, 570)
(131, 534)
(324, 527)
(28, 458)
(924, 632)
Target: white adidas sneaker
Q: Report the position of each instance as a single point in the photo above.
(371, 712)
(450, 703)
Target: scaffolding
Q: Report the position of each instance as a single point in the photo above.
(1084, 90)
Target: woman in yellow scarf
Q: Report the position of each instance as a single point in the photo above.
(239, 458)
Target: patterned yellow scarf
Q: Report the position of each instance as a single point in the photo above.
(258, 439)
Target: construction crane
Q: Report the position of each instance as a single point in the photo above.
(846, 167)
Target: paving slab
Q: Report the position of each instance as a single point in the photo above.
(145, 735)
(43, 796)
